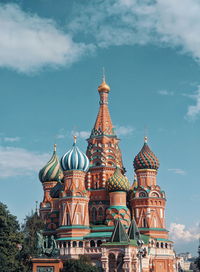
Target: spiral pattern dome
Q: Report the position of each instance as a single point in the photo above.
(75, 159)
(52, 170)
(146, 159)
(118, 182)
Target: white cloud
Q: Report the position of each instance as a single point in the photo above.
(29, 42)
(194, 110)
(173, 23)
(19, 161)
(81, 134)
(177, 171)
(179, 233)
(11, 139)
(123, 130)
(60, 136)
(166, 93)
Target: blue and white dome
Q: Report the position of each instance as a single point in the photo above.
(75, 159)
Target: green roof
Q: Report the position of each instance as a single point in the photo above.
(69, 238)
(119, 233)
(153, 229)
(133, 231)
(162, 239)
(74, 227)
(98, 234)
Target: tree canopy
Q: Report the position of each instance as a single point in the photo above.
(83, 264)
(33, 223)
(10, 241)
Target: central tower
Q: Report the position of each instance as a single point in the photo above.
(104, 154)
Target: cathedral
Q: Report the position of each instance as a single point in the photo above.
(91, 209)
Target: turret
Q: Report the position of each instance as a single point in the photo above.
(49, 176)
(147, 199)
(74, 198)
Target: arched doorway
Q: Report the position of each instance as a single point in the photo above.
(120, 262)
(112, 262)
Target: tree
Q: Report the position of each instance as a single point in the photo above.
(10, 241)
(31, 226)
(83, 264)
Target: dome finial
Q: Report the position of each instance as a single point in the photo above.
(54, 147)
(104, 76)
(145, 139)
(104, 86)
(75, 138)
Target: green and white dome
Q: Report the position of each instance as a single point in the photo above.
(52, 170)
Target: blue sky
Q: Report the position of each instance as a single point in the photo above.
(51, 59)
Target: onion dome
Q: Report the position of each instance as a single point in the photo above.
(75, 159)
(118, 182)
(146, 159)
(104, 87)
(51, 171)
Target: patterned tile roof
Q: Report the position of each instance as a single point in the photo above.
(118, 182)
(146, 159)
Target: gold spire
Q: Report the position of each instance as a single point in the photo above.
(54, 147)
(145, 139)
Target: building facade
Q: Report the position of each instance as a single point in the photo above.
(91, 209)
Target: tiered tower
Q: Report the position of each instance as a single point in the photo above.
(74, 198)
(118, 186)
(148, 200)
(103, 152)
(49, 175)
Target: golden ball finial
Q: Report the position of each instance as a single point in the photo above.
(103, 87)
(75, 138)
(145, 139)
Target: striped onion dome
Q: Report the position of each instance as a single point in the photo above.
(52, 170)
(146, 159)
(75, 159)
(117, 182)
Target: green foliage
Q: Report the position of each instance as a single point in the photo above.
(83, 264)
(33, 224)
(197, 262)
(10, 241)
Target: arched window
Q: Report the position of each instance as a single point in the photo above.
(100, 211)
(94, 214)
(92, 243)
(68, 219)
(154, 222)
(78, 218)
(161, 245)
(157, 245)
(80, 244)
(166, 245)
(69, 244)
(144, 223)
(74, 244)
(99, 243)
